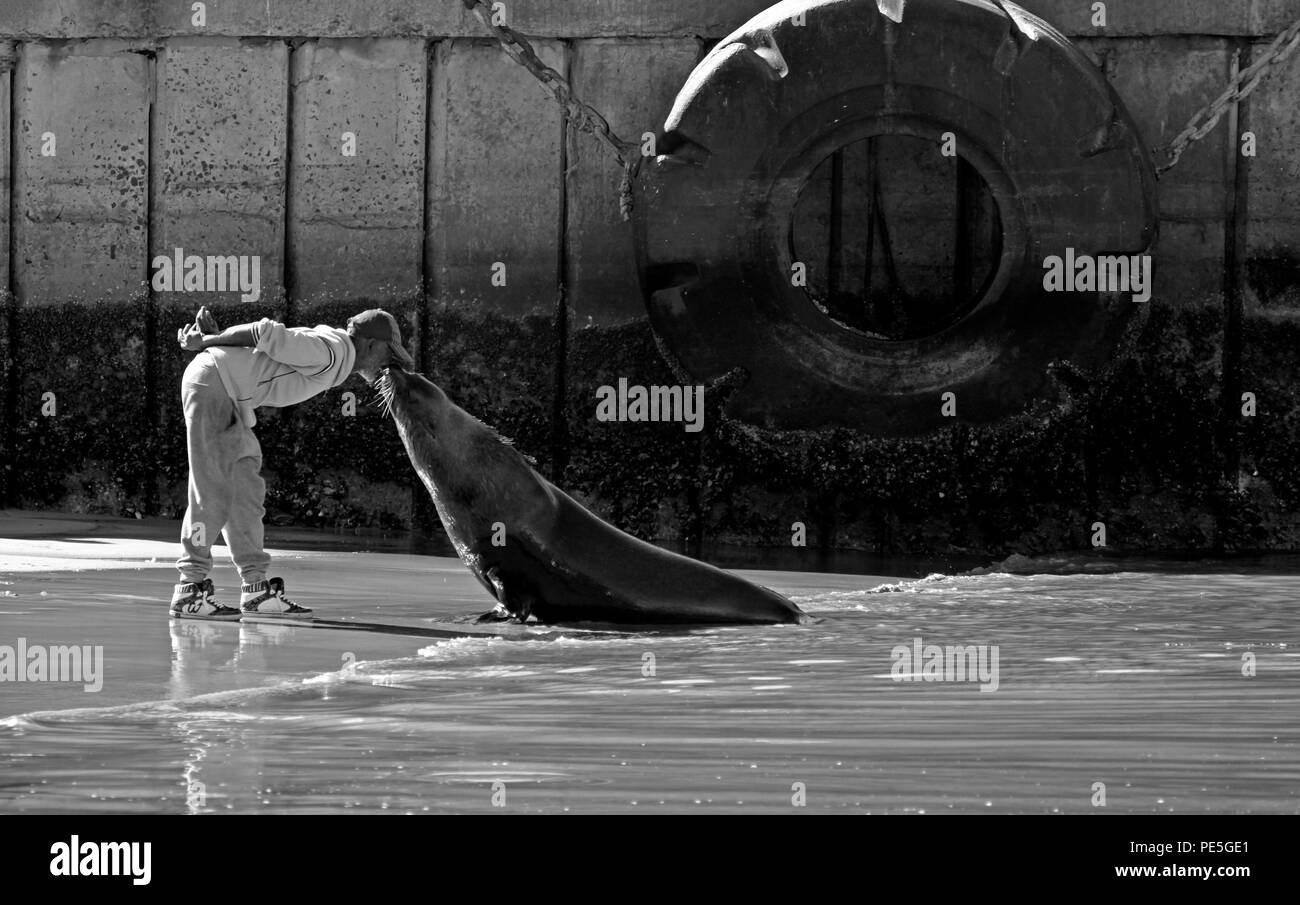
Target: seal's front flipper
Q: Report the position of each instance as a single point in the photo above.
(497, 614)
(509, 608)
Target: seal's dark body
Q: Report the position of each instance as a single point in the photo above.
(538, 551)
(588, 570)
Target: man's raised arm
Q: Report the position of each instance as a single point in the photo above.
(300, 348)
(193, 339)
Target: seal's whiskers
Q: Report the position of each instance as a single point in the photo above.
(384, 399)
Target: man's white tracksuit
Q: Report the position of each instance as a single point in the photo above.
(221, 388)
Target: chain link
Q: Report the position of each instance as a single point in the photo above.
(583, 116)
(1238, 89)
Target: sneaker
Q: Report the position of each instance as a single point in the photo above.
(266, 598)
(198, 600)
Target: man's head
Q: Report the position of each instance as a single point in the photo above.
(378, 341)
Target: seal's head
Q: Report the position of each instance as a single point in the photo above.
(413, 402)
(377, 341)
(439, 437)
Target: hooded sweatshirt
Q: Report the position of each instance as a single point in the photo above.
(287, 365)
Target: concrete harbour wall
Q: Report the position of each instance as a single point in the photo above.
(225, 139)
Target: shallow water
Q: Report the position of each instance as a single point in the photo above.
(1131, 680)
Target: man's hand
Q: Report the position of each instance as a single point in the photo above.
(206, 322)
(190, 338)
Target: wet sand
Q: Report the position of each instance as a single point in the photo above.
(1133, 680)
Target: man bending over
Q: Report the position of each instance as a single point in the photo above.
(236, 371)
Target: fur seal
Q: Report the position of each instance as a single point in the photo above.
(537, 551)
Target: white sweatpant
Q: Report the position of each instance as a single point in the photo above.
(226, 490)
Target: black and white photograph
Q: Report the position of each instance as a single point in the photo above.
(614, 407)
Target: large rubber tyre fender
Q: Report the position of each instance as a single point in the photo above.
(1062, 158)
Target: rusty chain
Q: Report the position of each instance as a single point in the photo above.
(583, 116)
(1238, 89)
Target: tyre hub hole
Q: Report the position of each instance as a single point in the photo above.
(899, 240)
